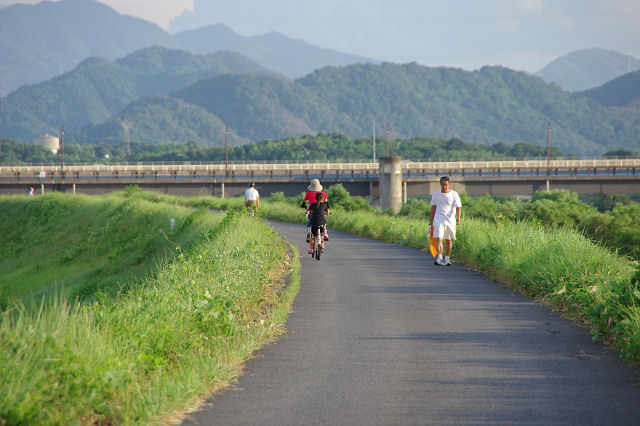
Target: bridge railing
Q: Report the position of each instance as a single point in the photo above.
(308, 170)
(459, 165)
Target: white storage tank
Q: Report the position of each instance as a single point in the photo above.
(52, 143)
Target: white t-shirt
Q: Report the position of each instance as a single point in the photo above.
(445, 207)
(251, 194)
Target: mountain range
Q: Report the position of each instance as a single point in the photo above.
(488, 106)
(163, 94)
(41, 41)
(97, 89)
(289, 57)
(38, 42)
(588, 68)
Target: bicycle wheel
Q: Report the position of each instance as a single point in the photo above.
(318, 246)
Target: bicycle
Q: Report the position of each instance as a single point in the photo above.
(318, 243)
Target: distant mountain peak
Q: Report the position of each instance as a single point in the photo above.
(588, 68)
(49, 38)
(217, 27)
(273, 50)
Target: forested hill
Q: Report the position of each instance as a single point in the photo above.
(621, 92)
(488, 106)
(160, 119)
(98, 89)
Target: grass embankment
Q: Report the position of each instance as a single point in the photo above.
(85, 244)
(560, 267)
(164, 340)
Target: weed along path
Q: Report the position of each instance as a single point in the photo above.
(380, 335)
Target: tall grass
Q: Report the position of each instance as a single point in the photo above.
(135, 356)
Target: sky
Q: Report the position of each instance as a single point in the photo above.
(518, 34)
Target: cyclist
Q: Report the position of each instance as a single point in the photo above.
(251, 198)
(318, 211)
(310, 198)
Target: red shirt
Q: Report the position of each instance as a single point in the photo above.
(310, 196)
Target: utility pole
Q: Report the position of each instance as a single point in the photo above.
(62, 151)
(226, 150)
(374, 140)
(126, 126)
(548, 154)
(388, 132)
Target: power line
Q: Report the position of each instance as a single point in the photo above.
(388, 132)
(548, 154)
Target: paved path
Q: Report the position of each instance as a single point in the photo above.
(380, 335)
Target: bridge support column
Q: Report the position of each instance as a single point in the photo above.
(404, 192)
(390, 183)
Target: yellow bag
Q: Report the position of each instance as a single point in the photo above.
(432, 243)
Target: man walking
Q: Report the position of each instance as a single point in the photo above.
(251, 198)
(445, 215)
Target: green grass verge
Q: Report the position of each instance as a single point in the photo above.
(165, 340)
(562, 268)
(84, 244)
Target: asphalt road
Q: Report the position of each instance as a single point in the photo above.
(380, 335)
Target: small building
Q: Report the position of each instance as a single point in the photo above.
(52, 143)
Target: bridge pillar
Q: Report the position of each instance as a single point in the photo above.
(390, 183)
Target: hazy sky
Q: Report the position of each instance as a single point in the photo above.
(519, 34)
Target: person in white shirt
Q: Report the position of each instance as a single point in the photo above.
(445, 215)
(251, 197)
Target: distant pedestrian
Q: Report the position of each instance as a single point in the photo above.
(31, 190)
(445, 215)
(251, 198)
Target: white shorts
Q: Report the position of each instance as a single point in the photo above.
(442, 230)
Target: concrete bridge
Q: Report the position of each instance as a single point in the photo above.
(409, 178)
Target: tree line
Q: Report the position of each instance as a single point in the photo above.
(321, 147)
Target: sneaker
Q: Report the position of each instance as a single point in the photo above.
(447, 263)
(438, 262)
